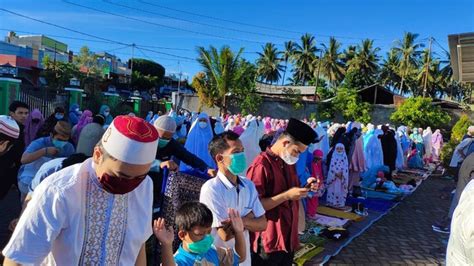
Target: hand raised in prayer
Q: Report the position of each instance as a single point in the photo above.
(172, 166)
(212, 172)
(163, 234)
(4, 146)
(52, 151)
(13, 224)
(236, 220)
(296, 193)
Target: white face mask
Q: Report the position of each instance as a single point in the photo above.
(107, 113)
(288, 158)
(202, 124)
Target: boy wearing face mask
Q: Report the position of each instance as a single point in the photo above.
(274, 175)
(193, 221)
(43, 150)
(229, 190)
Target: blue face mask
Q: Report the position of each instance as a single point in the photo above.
(59, 143)
(202, 246)
(59, 116)
(238, 163)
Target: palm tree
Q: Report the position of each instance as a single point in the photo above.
(287, 54)
(331, 64)
(408, 52)
(426, 74)
(348, 54)
(365, 60)
(269, 66)
(222, 69)
(303, 59)
(388, 75)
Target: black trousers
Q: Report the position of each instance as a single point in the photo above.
(278, 258)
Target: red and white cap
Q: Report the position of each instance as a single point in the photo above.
(131, 140)
(9, 127)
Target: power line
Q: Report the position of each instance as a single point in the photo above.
(218, 19)
(197, 22)
(91, 40)
(251, 25)
(85, 34)
(162, 25)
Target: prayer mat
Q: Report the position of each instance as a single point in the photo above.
(329, 221)
(380, 205)
(338, 213)
(307, 252)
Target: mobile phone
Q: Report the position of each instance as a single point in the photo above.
(308, 185)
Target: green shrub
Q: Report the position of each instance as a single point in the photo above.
(350, 106)
(419, 112)
(447, 152)
(460, 129)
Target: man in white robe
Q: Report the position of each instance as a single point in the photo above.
(95, 213)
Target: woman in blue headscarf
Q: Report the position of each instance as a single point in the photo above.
(368, 134)
(74, 114)
(149, 116)
(198, 140)
(105, 112)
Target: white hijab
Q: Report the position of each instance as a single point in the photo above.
(250, 140)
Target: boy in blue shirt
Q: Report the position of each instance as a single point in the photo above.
(194, 221)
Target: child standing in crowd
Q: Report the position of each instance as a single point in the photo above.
(312, 203)
(194, 221)
(338, 178)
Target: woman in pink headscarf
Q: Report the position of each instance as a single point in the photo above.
(268, 125)
(34, 122)
(316, 171)
(86, 118)
(437, 144)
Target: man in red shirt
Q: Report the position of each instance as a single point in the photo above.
(274, 175)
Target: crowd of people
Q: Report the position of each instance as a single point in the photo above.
(87, 199)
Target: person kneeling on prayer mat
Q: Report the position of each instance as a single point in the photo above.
(274, 174)
(95, 213)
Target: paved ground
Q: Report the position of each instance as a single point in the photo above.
(404, 236)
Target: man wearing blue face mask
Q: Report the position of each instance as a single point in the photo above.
(42, 150)
(231, 190)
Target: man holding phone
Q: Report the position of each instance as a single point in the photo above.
(275, 178)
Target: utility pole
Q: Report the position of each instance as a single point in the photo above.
(425, 83)
(131, 65)
(317, 76)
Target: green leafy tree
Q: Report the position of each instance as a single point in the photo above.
(420, 112)
(287, 54)
(388, 75)
(225, 74)
(408, 50)
(58, 74)
(245, 95)
(303, 59)
(87, 61)
(350, 106)
(460, 128)
(269, 64)
(457, 133)
(365, 62)
(147, 74)
(332, 66)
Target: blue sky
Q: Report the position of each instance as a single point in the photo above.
(348, 20)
